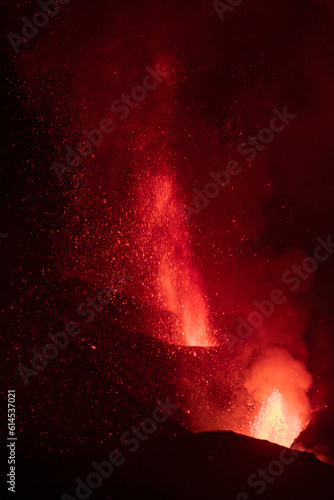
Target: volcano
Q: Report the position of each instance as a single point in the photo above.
(81, 419)
(167, 249)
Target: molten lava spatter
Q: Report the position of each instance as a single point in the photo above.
(275, 423)
(165, 244)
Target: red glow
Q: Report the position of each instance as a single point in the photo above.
(278, 384)
(276, 423)
(178, 283)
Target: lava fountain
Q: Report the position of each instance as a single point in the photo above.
(278, 385)
(165, 247)
(275, 423)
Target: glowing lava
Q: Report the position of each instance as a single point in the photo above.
(178, 281)
(275, 423)
(165, 244)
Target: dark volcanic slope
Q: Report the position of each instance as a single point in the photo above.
(217, 465)
(107, 380)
